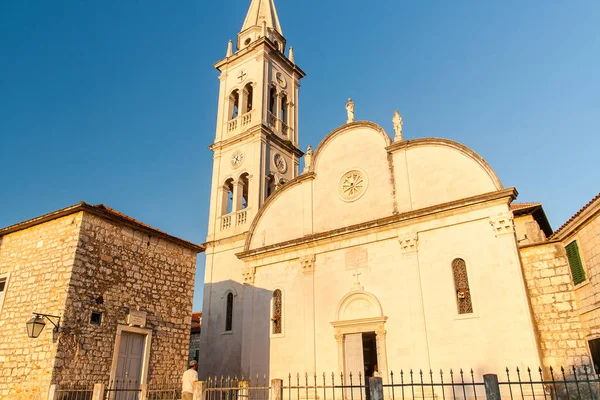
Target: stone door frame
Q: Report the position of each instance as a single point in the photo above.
(363, 325)
(147, 343)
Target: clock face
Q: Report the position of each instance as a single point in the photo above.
(237, 158)
(280, 163)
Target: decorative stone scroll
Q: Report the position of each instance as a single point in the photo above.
(408, 242)
(307, 263)
(502, 224)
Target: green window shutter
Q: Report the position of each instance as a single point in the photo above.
(577, 271)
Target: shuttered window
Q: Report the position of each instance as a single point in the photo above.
(577, 271)
(229, 313)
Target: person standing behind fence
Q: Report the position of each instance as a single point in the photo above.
(189, 377)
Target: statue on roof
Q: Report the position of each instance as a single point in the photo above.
(398, 122)
(308, 158)
(350, 109)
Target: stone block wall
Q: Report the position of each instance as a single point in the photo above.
(39, 260)
(117, 269)
(588, 293)
(554, 307)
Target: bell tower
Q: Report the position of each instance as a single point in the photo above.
(256, 143)
(255, 151)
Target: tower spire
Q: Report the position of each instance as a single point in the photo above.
(262, 10)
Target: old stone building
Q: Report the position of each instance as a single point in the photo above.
(382, 252)
(562, 272)
(122, 289)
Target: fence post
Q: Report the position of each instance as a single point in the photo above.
(243, 392)
(199, 390)
(143, 391)
(276, 389)
(492, 389)
(375, 388)
(52, 392)
(98, 392)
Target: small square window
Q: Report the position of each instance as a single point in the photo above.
(96, 318)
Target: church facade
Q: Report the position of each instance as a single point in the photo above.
(398, 254)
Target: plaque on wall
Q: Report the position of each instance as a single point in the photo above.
(137, 318)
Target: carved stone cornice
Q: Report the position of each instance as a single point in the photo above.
(307, 263)
(502, 224)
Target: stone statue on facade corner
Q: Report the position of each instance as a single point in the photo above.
(308, 158)
(350, 109)
(398, 122)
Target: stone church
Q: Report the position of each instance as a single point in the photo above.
(397, 254)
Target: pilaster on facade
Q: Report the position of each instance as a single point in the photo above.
(503, 224)
(408, 242)
(307, 264)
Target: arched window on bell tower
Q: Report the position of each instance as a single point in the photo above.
(234, 104)
(227, 197)
(283, 116)
(272, 100)
(248, 94)
(244, 186)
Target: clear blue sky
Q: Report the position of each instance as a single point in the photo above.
(114, 102)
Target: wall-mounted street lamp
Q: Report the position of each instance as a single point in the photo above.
(36, 325)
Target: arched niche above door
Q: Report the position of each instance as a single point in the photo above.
(359, 305)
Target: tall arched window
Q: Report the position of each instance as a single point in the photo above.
(234, 104)
(244, 192)
(461, 286)
(277, 313)
(229, 313)
(249, 93)
(228, 197)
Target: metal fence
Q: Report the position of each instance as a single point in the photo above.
(325, 386)
(74, 392)
(122, 390)
(234, 388)
(427, 385)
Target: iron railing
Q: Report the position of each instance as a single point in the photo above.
(122, 390)
(430, 385)
(564, 384)
(234, 388)
(325, 386)
(74, 392)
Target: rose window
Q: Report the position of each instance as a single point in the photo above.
(352, 185)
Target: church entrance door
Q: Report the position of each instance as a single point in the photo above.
(360, 350)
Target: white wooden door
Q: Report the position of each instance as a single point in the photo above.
(354, 364)
(129, 365)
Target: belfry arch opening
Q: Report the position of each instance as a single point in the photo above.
(234, 104)
(244, 190)
(227, 206)
(248, 98)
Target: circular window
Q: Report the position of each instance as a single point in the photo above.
(352, 185)
(247, 41)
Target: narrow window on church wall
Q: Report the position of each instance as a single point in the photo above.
(461, 286)
(277, 316)
(229, 313)
(270, 185)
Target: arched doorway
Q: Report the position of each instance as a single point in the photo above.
(361, 336)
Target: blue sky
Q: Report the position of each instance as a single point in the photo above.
(114, 102)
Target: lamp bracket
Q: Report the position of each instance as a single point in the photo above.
(48, 317)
